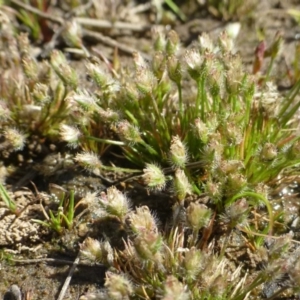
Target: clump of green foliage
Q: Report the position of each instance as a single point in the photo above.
(225, 134)
(192, 120)
(228, 136)
(10, 204)
(63, 217)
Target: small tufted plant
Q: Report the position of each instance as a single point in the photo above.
(195, 124)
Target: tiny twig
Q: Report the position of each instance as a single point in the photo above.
(110, 42)
(109, 24)
(140, 8)
(38, 260)
(68, 279)
(54, 260)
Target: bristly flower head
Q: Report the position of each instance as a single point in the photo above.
(89, 161)
(154, 177)
(72, 34)
(178, 152)
(70, 134)
(235, 182)
(96, 251)
(97, 74)
(269, 97)
(269, 151)
(159, 65)
(114, 203)
(30, 67)
(182, 185)
(40, 93)
(174, 69)
(235, 73)
(214, 190)
(231, 166)
(206, 44)
(102, 78)
(145, 80)
(131, 92)
(215, 146)
(198, 215)
(148, 246)
(174, 290)
(15, 138)
(63, 69)
(142, 220)
(118, 286)
(194, 61)
(192, 262)
(128, 132)
(237, 212)
(159, 39)
(233, 133)
(23, 43)
(225, 42)
(139, 61)
(108, 115)
(173, 43)
(201, 130)
(82, 100)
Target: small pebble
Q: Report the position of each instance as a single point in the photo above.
(14, 293)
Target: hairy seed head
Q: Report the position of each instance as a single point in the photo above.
(154, 177)
(15, 138)
(142, 220)
(225, 42)
(173, 43)
(174, 69)
(69, 134)
(118, 286)
(174, 289)
(128, 132)
(72, 34)
(148, 245)
(237, 212)
(115, 203)
(63, 69)
(40, 93)
(88, 160)
(269, 151)
(159, 39)
(198, 215)
(96, 251)
(182, 185)
(192, 262)
(206, 43)
(178, 152)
